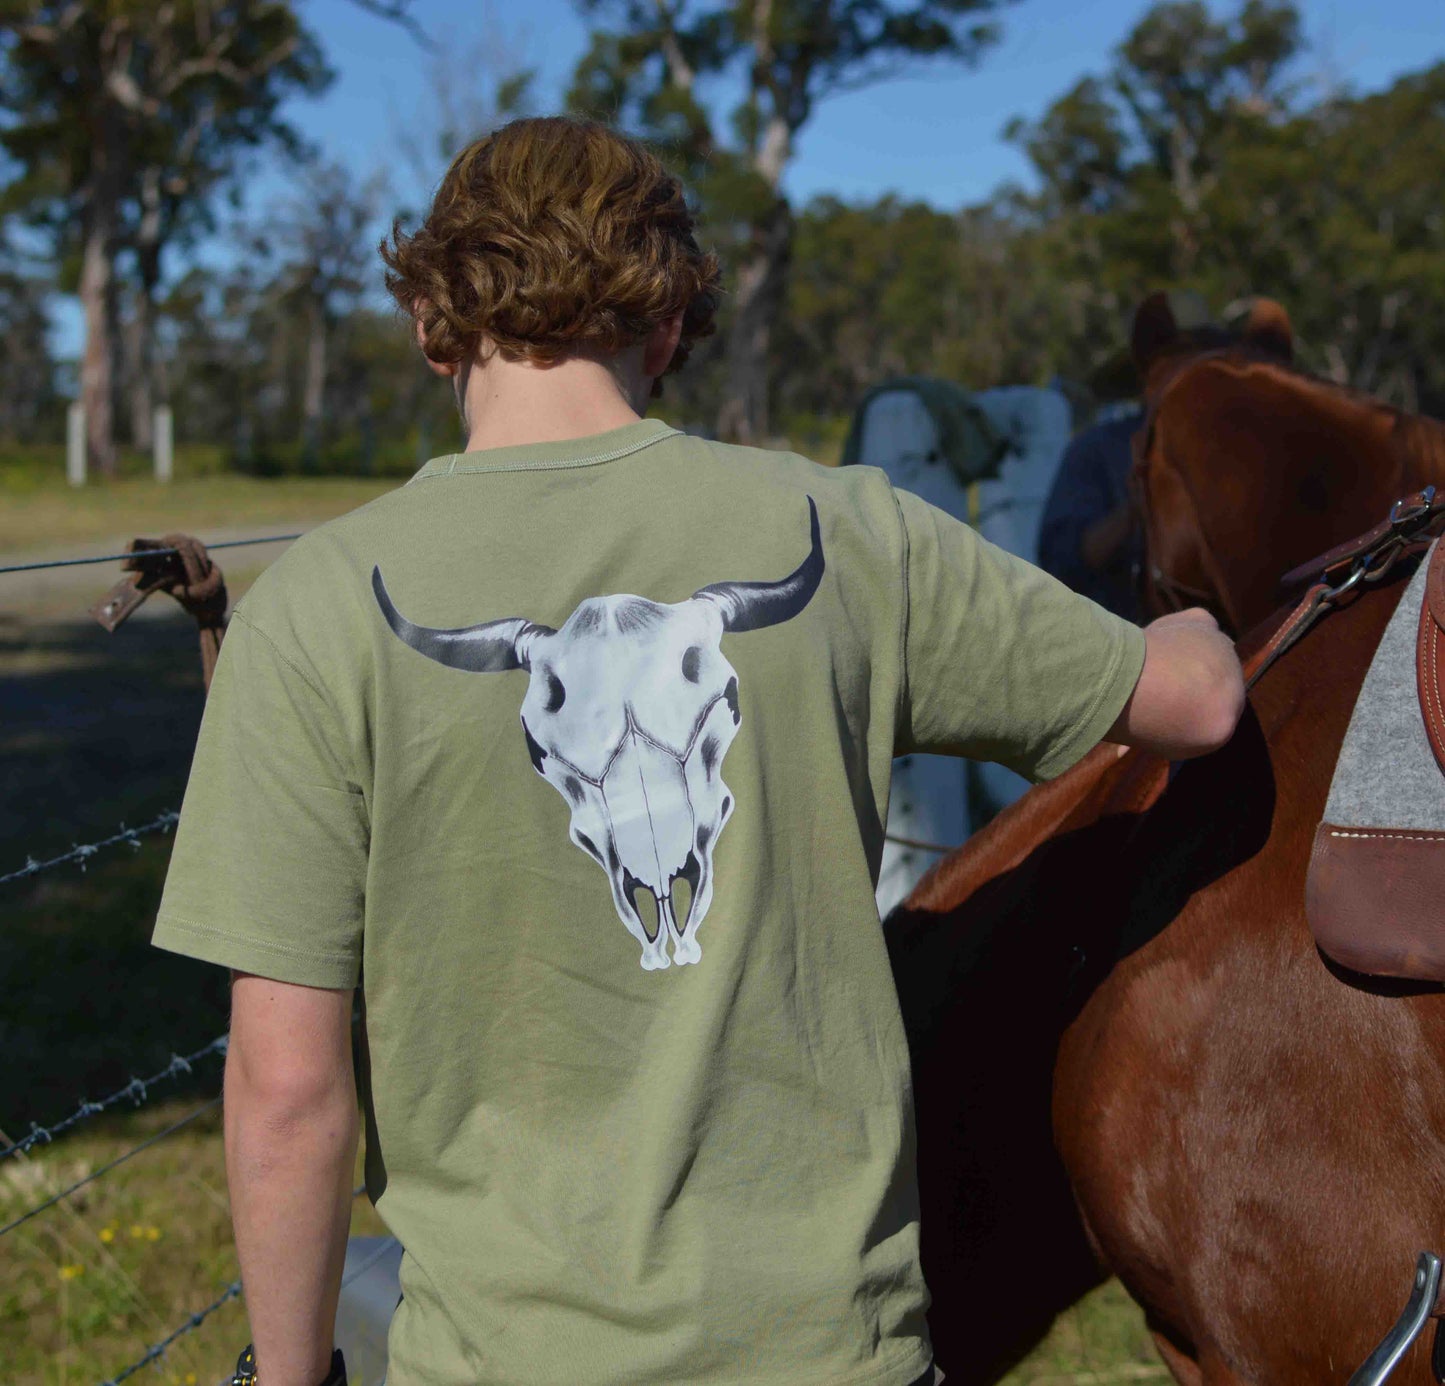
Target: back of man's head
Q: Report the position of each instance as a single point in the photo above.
(551, 237)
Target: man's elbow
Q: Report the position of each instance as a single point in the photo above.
(286, 1098)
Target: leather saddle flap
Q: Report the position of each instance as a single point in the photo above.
(1375, 894)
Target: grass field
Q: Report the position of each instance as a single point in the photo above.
(96, 731)
(38, 509)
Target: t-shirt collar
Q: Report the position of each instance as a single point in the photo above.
(569, 452)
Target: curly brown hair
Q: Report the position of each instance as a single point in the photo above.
(550, 236)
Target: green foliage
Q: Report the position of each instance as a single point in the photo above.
(644, 68)
(98, 93)
(27, 469)
(1194, 160)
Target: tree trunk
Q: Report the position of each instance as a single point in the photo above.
(140, 372)
(1186, 192)
(97, 299)
(314, 394)
(142, 364)
(761, 282)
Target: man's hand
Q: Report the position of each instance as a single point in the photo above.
(1190, 696)
(291, 1130)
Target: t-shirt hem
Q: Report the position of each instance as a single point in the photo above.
(205, 943)
(1114, 691)
(904, 1372)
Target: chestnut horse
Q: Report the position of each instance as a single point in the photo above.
(1246, 467)
(1130, 1058)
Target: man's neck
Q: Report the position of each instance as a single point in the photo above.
(510, 403)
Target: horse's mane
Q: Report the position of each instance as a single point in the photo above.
(1270, 465)
(1418, 439)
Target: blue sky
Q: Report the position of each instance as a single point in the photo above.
(933, 136)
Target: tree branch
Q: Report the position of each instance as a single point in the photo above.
(399, 12)
(679, 70)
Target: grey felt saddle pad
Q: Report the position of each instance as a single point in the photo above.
(1386, 776)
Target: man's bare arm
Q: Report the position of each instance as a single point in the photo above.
(1190, 695)
(291, 1132)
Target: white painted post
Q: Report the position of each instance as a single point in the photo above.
(75, 444)
(164, 437)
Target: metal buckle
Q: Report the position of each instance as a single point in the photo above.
(1402, 514)
(1358, 572)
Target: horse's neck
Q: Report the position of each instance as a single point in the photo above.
(1421, 443)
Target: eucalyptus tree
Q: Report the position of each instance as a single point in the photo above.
(316, 249)
(1142, 147)
(123, 117)
(646, 67)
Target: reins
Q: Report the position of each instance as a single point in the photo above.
(1176, 595)
(1337, 576)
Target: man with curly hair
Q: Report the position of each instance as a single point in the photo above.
(634, 1079)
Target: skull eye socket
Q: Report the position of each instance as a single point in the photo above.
(692, 663)
(556, 694)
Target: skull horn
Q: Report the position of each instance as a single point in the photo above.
(490, 648)
(753, 605)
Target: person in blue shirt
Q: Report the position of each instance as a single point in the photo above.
(1090, 537)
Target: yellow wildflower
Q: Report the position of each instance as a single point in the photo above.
(107, 1235)
(153, 1234)
(70, 1272)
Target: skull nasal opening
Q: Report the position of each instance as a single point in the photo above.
(644, 902)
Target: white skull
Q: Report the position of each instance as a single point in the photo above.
(630, 709)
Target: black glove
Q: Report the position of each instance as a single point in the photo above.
(246, 1369)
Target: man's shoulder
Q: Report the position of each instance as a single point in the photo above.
(757, 468)
(310, 587)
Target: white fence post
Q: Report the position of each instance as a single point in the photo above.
(75, 444)
(164, 436)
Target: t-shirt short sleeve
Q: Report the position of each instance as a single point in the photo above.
(268, 872)
(1003, 662)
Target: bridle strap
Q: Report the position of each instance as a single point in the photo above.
(1405, 533)
(1314, 604)
(1176, 595)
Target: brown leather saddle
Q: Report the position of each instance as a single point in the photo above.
(1375, 893)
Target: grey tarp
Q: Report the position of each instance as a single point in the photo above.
(971, 445)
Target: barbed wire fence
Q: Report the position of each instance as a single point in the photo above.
(149, 553)
(137, 1090)
(82, 853)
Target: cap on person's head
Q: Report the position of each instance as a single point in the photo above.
(551, 236)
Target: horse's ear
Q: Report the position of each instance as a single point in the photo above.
(1154, 329)
(1268, 329)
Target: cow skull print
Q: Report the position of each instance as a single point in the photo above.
(629, 711)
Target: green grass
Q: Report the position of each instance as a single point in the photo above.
(38, 509)
(1101, 1341)
(88, 1286)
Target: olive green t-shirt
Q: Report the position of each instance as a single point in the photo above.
(575, 758)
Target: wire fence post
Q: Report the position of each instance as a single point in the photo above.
(163, 434)
(75, 444)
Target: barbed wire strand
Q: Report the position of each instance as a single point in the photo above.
(158, 1350)
(106, 1168)
(116, 557)
(82, 852)
(232, 1291)
(136, 1091)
